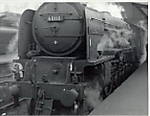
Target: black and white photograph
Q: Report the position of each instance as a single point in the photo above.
(73, 58)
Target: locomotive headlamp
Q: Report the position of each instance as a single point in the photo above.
(55, 42)
(71, 67)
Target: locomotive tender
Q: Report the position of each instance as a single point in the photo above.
(65, 50)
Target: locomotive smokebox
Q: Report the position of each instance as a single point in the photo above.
(58, 28)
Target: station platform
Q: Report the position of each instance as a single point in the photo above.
(131, 98)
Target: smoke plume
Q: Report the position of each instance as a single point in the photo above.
(92, 94)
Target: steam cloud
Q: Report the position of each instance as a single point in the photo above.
(92, 94)
(11, 51)
(115, 39)
(12, 47)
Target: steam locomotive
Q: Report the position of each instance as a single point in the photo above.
(68, 50)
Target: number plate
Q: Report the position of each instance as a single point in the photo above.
(55, 18)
